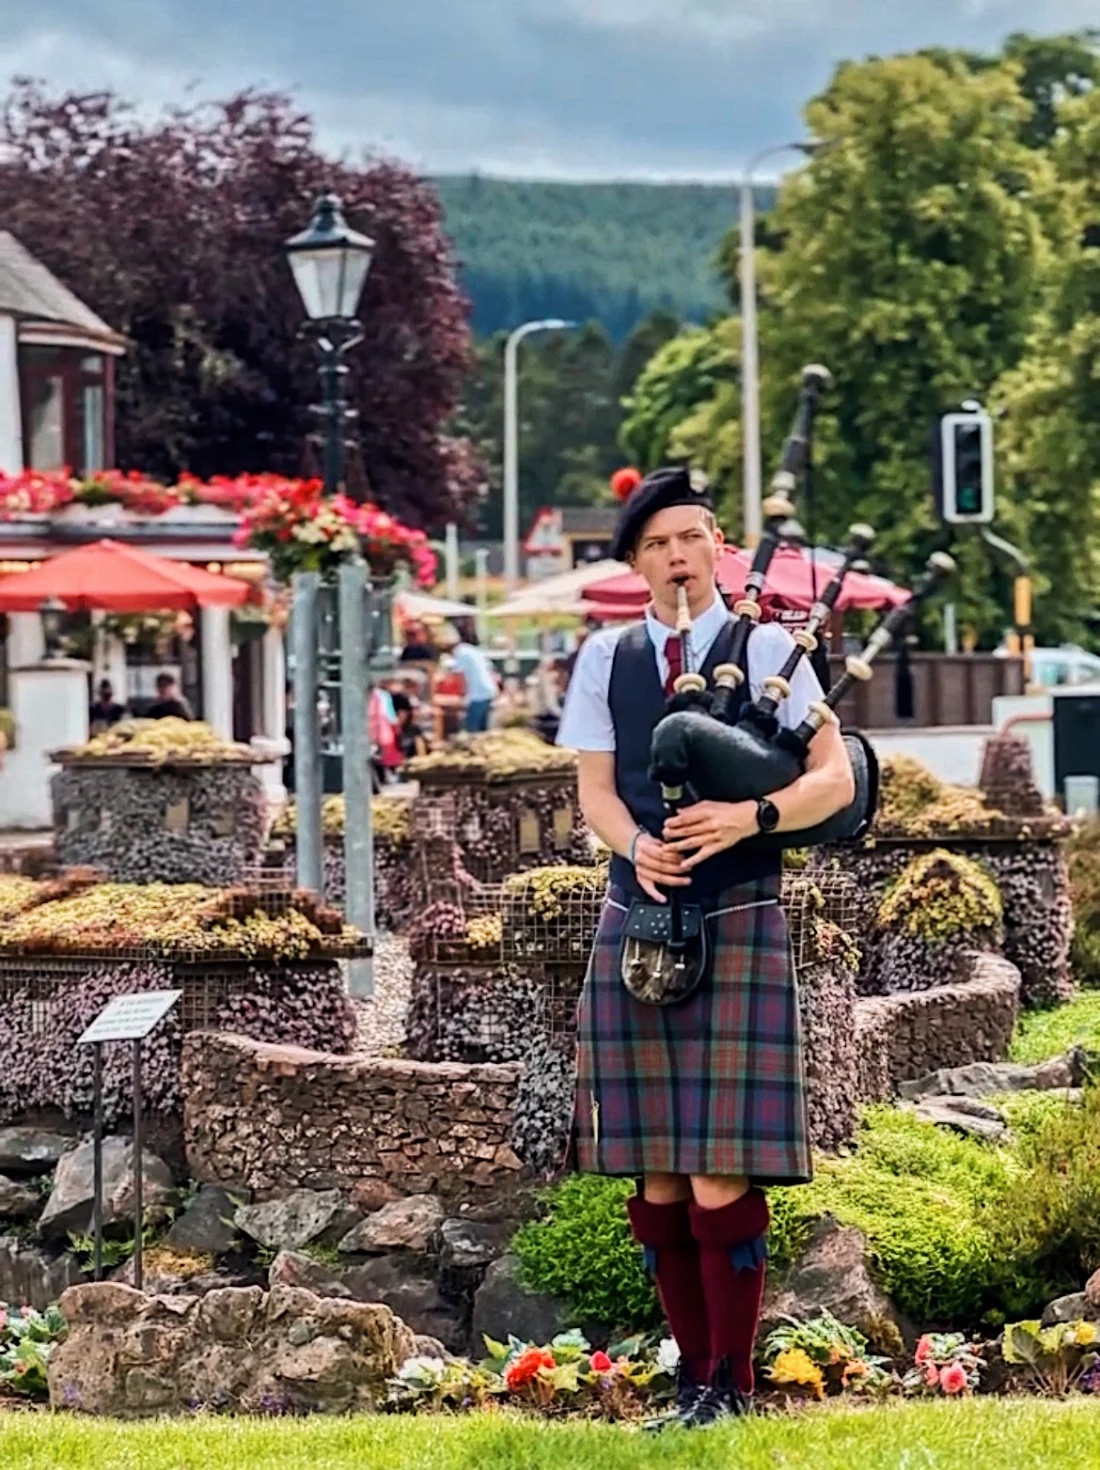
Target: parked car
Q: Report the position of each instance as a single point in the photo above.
(1055, 668)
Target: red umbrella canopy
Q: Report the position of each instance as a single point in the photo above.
(109, 576)
(791, 583)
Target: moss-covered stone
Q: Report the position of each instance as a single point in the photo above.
(940, 895)
(915, 803)
(549, 892)
(496, 755)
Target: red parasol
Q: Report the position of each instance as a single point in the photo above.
(109, 576)
(790, 584)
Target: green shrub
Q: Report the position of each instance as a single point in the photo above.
(583, 1251)
(959, 1232)
(1027, 1113)
(1084, 873)
(1041, 1035)
(916, 1192)
(1048, 1221)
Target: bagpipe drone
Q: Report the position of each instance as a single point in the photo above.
(703, 752)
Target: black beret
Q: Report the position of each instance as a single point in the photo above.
(658, 491)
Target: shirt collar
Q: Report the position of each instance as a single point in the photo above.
(704, 628)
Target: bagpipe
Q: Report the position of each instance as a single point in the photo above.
(716, 745)
(706, 749)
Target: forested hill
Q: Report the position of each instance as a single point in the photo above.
(614, 252)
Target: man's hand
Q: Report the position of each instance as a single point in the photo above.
(710, 827)
(655, 862)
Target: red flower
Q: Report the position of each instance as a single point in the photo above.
(924, 1350)
(601, 1363)
(953, 1378)
(526, 1367)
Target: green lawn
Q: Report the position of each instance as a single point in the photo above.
(984, 1434)
(1044, 1034)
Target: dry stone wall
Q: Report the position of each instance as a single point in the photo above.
(900, 1037)
(272, 1118)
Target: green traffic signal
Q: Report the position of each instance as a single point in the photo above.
(968, 469)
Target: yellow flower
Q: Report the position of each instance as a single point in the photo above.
(796, 1366)
(1085, 1335)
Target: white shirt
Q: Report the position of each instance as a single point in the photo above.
(586, 721)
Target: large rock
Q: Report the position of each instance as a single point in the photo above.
(128, 1355)
(26, 1150)
(406, 1224)
(295, 1220)
(18, 1201)
(1073, 1308)
(833, 1274)
(964, 1114)
(1092, 1289)
(32, 1276)
(414, 1297)
(981, 1079)
(69, 1207)
(468, 1244)
(292, 1268)
(501, 1306)
(206, 1225)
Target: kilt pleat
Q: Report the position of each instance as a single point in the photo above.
(713, 1085)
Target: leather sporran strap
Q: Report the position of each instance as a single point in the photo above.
(658, 966)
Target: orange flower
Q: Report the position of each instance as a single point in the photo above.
(526, 1367)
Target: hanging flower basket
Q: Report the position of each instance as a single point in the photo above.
(300, 530)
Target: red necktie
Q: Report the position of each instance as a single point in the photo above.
(674, 653)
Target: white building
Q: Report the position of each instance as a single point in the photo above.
(57, 408)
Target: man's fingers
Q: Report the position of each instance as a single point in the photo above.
(684, 843)
(648, 887)
(670, 880)
(702, 855)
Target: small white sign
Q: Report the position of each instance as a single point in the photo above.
(130, 1017)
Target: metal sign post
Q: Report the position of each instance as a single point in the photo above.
(126, 1018)
(356, 645)
(307, 750)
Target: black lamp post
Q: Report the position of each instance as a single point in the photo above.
(330, 264)
(53, 612)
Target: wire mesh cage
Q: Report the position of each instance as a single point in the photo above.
(550, 915)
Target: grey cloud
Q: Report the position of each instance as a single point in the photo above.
(578, 87)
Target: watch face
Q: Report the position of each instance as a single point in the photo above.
(767, 814)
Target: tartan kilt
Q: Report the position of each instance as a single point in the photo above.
(712, 1085)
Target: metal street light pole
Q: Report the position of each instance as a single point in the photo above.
(511, 443)
(750, 364)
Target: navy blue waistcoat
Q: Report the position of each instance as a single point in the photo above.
(637, 702)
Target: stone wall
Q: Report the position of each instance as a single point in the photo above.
(900, 1037)
(276, 1117)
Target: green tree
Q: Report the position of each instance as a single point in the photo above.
(1052, 69)
(1050, 439)
(681, 379)
(913, 267)
(570, 389)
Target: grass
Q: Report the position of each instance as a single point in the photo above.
(986, 1434)
(1045, 1034)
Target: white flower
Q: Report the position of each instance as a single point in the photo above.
(668, 1355)
(423, 1372)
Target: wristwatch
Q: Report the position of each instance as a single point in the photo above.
(767, 815)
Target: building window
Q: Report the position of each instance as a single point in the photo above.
(66, 405)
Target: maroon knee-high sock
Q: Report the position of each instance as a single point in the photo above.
(664, 1231)
(733, 1261)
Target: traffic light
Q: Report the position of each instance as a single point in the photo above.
(966, 468)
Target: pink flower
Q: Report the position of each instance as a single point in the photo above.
(601, 1363)
(931, 1375)
(924, 1350)
(953, 1378)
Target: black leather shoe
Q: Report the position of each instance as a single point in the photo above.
(688, 1395)
(720, 1400)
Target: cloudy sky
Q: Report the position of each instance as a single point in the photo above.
(539, 88)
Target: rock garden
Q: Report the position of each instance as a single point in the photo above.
(360, 1206)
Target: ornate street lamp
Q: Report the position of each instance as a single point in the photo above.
(329, 263)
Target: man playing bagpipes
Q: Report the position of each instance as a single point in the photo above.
(703, 1100)
(705, 746)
